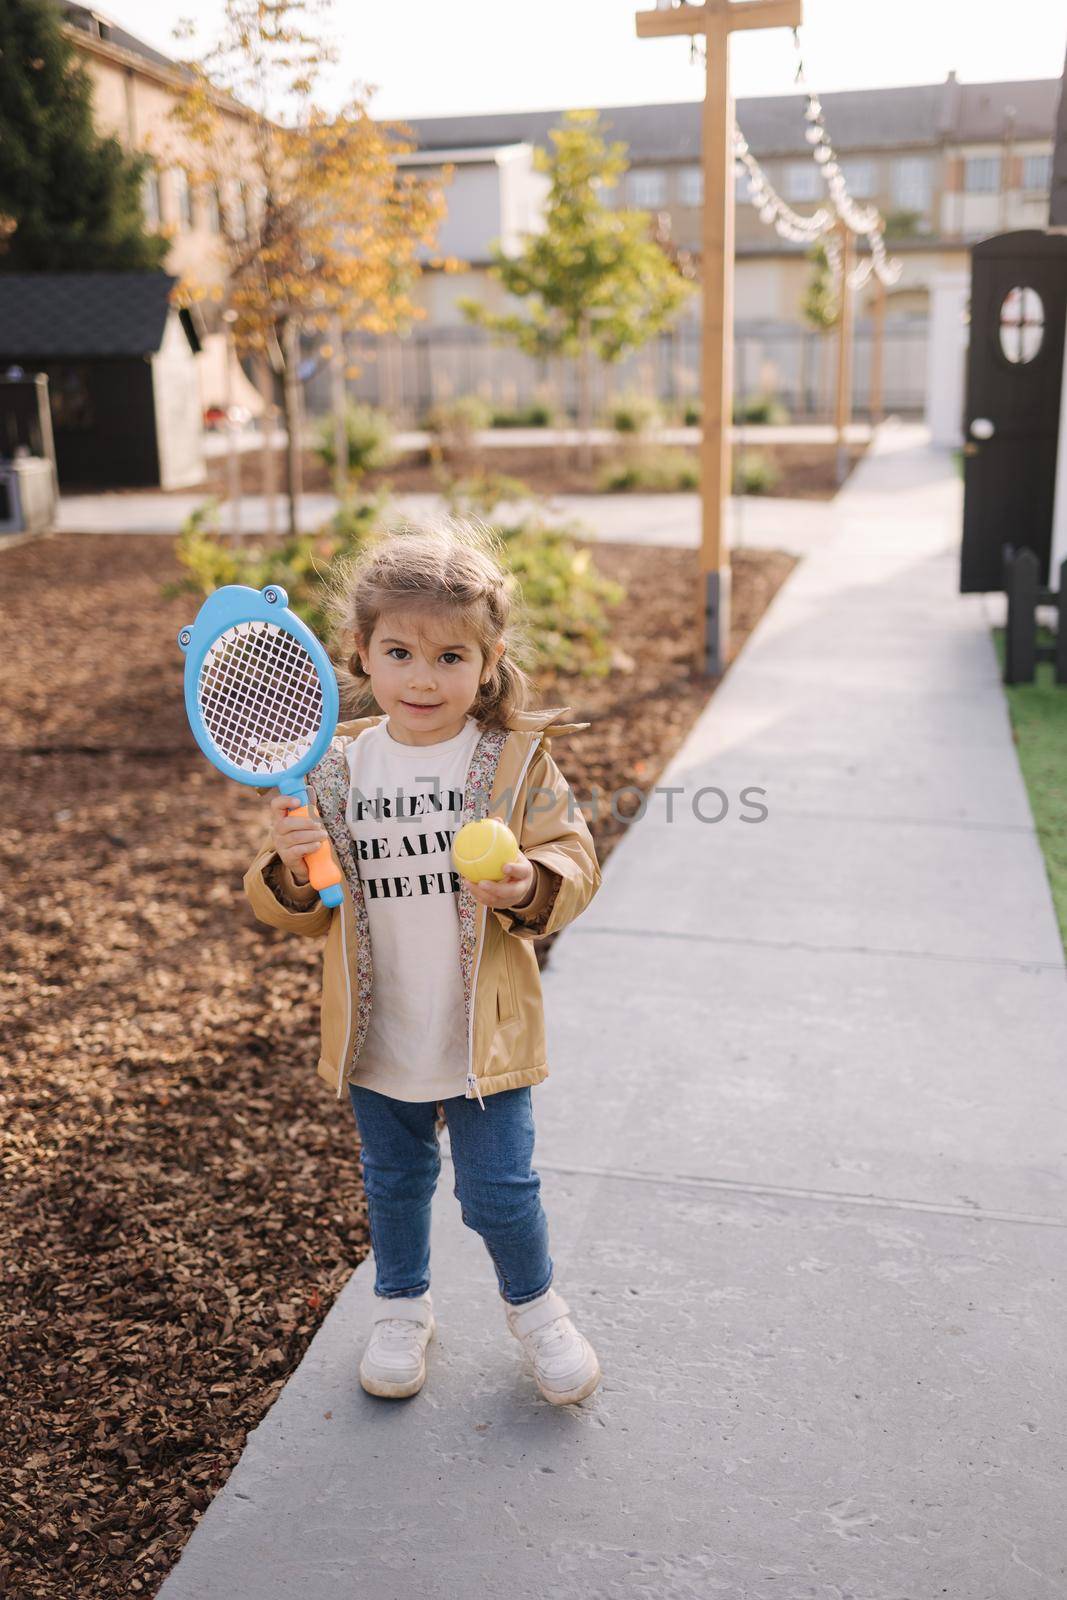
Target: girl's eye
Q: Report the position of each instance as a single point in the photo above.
(394, 648)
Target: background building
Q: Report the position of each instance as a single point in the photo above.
(946, 164)
(134, 91)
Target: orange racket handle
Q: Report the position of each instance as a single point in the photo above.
(322, 869)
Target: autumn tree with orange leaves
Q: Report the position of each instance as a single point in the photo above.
(318, 225)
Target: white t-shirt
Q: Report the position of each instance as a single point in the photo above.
(416, 1042)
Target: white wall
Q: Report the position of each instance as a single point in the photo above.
(947, 357)
(176, 391)
(496, 197)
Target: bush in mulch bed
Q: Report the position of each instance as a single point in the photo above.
(802, 471)
(182, 1199)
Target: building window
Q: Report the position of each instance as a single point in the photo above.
(981, 174)
(150, 200)
(648, 187)
(1037, 172)
(183, 199)
(238, 210)
(209, 208)
(859, 178)
(1022, 325)
(801, 181)
(256, 204)
(911, 184)
(690, 186)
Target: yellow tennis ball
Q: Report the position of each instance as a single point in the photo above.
(480, 849)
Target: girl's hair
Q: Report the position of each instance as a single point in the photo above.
(448, 573)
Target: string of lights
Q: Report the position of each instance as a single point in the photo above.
(867, 221)
(771, 208)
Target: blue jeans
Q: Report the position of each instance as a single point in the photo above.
(497, 1188)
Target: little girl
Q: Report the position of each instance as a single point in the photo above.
(431, 997)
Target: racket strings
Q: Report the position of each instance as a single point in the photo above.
(260, 697)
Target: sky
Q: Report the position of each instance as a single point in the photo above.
(436, 57)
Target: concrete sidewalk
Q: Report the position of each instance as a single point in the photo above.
(755, 521)
(802, 1153)
(217, 444)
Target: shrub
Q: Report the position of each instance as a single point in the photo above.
(754, 474)
(455, 422)
(691, 414)
(562, 596)
(479, 494)
(299, 564)
(761, 409)
(535, 415)
(634, 413)
(370, 439)
(658, 472)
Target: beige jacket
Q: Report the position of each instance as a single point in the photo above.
(512, 775)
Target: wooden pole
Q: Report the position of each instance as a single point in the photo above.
(843, 399)
(878, 354)
(716, 20)
(717, 272)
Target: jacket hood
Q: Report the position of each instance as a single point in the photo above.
(542, 720)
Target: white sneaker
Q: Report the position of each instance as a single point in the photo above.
(394, 1362)
(564, 1362)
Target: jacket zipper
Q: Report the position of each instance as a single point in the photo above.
(348, 1006)
(472, 1081)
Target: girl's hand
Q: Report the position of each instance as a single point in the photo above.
(294, 837)
(516, 886)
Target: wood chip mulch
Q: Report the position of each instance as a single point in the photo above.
(182, 1198)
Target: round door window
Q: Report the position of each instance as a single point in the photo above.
(1022, 324)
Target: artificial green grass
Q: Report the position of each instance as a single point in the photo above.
(1039, 723)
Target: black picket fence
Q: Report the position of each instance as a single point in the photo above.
(1025, 594)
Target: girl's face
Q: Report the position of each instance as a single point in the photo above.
(427, 685)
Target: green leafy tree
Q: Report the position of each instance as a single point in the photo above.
(319, 223)
(820, 305)
(70, 200)
(903, 224)
(595, 283)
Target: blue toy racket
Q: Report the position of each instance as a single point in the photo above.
(261, 698)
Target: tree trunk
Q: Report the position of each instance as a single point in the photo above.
(338, 403)
(291, 417)
(585, 420)
(233, 460)
(265, 378)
